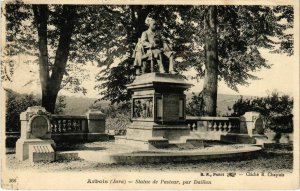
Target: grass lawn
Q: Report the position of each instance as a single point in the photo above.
(275, 157)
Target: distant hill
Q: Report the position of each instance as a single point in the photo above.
(224, 102)
(80, 105)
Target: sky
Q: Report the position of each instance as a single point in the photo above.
(283, 76)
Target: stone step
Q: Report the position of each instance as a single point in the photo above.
(41, 153)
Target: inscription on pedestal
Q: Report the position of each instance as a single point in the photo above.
(259, 126)
(171, 108)
(39, 126)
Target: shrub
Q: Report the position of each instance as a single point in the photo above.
(195, 107)
(17, 103)
(117, 116)
(276, 109)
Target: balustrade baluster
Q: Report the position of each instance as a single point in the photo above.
(211, 125)
(194, 126)
(222, 125)
(189, 126)
(54, 126)
(69, 125)
(59, 125)
(73, 122)
(226, 123)
(64, 125)
(215, 126)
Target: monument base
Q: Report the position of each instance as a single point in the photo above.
(159, 143)
(158, 113)
(22, 146)
(150, 130)
(149, 135)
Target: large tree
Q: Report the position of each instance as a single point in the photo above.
(62, 37)
(232, 38)
(226, 42)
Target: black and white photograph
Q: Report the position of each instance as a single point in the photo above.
(138, 95)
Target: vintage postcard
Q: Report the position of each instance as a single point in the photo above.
(149, 95)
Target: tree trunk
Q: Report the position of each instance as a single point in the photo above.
(62, 54)
(210, 86)
(49, 100)
(51, 85)
(41, 17)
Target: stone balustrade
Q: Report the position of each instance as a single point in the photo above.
(69, 124)
(79, 128)
(213, 124)
(72, 128)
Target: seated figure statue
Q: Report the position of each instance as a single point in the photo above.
(151, 49)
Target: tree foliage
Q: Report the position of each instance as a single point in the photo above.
(106, 35)
(57, 35)
(195, 107)
(132, 20)
(275, 108)
(241, 32)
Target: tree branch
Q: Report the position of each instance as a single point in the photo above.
(62, 53)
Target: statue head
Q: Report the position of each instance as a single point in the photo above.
(151, 23)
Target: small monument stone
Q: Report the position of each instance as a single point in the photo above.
(35, 142)
(252, 123)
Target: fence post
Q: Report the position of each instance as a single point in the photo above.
(95, 121)
(96, 125)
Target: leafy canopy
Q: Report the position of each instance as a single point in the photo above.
(106, 35)
(242, 32)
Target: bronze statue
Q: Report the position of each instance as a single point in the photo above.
(152, 49)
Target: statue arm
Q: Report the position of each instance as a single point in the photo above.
(145, 41)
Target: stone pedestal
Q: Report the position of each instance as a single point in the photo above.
(158, 111)
(251, 123)
(35, 131)
(96, 126)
